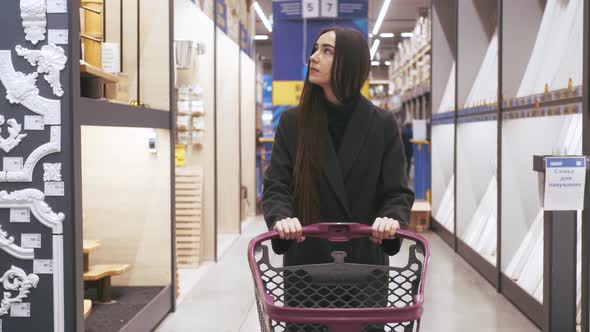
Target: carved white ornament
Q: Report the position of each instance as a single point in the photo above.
(50, 60)
(26, 173)
(52, 172)
(33, 13)
(14, 135)
(21, 89)
(16, 279)
(7, 244)
(34, 200)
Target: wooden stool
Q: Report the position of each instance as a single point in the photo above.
(99, 277)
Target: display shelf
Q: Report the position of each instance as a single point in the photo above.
(477, 187)
(89, 71)
(443, 179)
(476, 191)
(444, 51)
(103, 113)
(541, 115)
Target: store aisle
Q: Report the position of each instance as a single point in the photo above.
(457, 298)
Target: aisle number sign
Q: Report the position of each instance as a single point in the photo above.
(319, 8)
(565, 179)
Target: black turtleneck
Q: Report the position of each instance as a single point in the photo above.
(338, 117)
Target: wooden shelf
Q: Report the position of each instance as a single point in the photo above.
(90, 246)
(89, 71)
(97, 272)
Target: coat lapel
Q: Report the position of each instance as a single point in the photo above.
(354, 135)
(331, 167)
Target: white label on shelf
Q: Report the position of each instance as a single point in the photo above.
(34, 122)
(20, 215)
(30, 241)
(565, 179)
(310, 8)
(57, 36)
(13, 164)
(111, 58)
(329, 8)
(20, 310)
(43, 266)
(57, 6)
(54, 189)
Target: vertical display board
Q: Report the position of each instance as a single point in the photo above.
(35, 167)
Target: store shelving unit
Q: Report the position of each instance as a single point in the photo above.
(442, 132)
(520, 57)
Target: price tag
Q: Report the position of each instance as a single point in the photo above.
(20, 310)
(57, 6)
(43, 266)
(20, 215)
(329, 8)
(30, 241)
(57, 36)
(13, 164)
(54, 189)
(34, 122)
(310, 8)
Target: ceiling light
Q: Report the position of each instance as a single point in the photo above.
(371, 35)
(381, 16)
(387, 35)
(407, 34)
(388, 63)
(374, 48)
(375, 63)
(261, 37)
(263, 18)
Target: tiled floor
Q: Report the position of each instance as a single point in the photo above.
(457, 298)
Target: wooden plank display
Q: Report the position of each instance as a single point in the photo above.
(189, 206)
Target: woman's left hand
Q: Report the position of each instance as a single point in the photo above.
(384, 228)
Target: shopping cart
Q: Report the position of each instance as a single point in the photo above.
(339, 296)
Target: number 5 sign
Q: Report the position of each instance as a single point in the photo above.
(310, 8)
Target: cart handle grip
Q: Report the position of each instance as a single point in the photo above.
(341, 232)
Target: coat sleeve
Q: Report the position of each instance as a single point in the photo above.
(396, 196)
(277, 197)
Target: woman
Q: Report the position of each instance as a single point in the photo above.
(337, 158)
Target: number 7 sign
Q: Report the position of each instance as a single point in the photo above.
(329, 8)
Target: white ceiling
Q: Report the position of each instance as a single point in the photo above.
(401, 17)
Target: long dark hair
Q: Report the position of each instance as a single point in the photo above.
(350, 69)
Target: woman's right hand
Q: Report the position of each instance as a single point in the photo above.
(289, 229)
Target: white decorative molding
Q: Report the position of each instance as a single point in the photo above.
(21, 89)
(7, 244)
(50, 60)
(33, 13)
(16, 279)
(58, 284)
(51, 172)
(26, 173)
(14, 135)
(34, 200)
